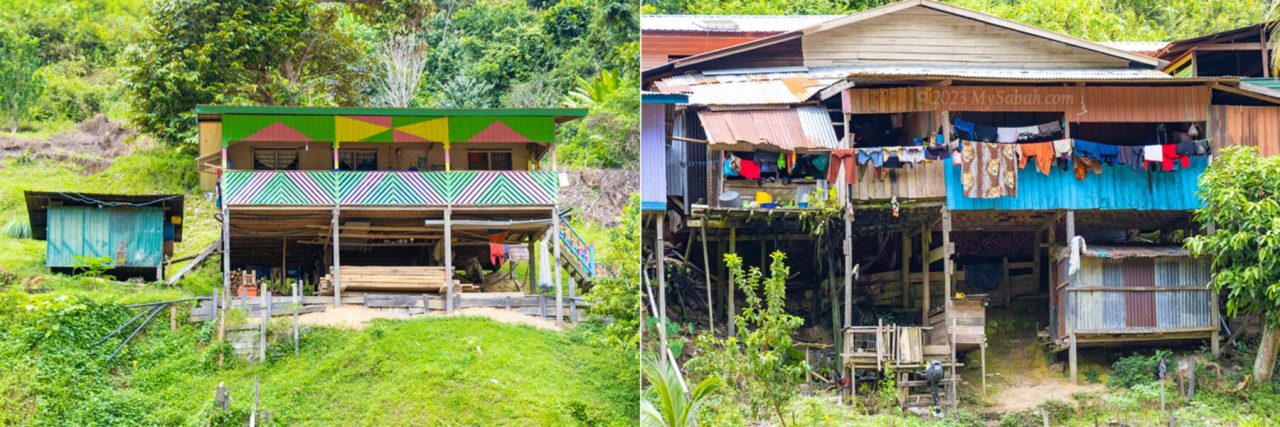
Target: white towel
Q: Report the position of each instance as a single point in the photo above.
(1007, 134)
(1152, 153)
(1077, 246)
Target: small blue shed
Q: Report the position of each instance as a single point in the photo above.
(132, 233)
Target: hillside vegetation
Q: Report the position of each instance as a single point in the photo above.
(138, 68)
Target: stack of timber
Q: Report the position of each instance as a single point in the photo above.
(393, 279)
(244, 282)
(886, 287)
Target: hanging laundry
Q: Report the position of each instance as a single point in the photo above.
(1042, 151)
(989, 170)
(1152, 156)
(986, 133)
(912, 155)
(1130, 155)
(1051, 129)
(731, 166)
(892, 160)
(768, 161)
(1027, 133)
(820, 162)
(1171, 155)
(1006, 135)
(1062, 151)
(966, 127)
(1102, 152)
(1085, 164)
(937, 152)
(873, 155)
(1194, 148)
(498, 246)
(842, 158)
(749, 169)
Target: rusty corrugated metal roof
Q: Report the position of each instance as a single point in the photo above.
(749, 88)
(731, 23)
(804, 128)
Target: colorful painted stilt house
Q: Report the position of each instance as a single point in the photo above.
(356, 201)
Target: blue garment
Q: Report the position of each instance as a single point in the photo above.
(1097, 151)
(874, 155)
(965, 126)
(986, 133)
(728, 167)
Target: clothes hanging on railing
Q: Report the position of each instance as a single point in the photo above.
(989, 170)
(842, 159)
(1042, 151)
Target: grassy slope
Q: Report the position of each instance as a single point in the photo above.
(425, 371)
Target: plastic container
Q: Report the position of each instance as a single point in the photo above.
(763, 197)
(730, 199)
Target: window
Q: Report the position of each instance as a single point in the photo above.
(275, 159)
(489, 160)
(358, 160)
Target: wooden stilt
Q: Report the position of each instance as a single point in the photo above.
(848, 268)
(660, 250)
(297, 307)
(1035, 262)
(706, 273)
(1071, 356)
(337, 258)
(448, 260)
(906, 268)
(948, 268)
(984, 368)
(926, 240)
(555, 271)
(733, 249)
(221, 305)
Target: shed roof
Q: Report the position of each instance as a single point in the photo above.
(803, 128)
(1130, 251)
(38, 203)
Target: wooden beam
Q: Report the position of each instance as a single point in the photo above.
(660, 251)
(926, 237)
(706, 274)
(906, 269)
(948, 269)
(1228, 47)
(337, 259)
(733, 249)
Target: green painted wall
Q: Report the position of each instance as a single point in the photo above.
(132, 237)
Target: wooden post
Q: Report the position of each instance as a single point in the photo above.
(660, 252)
(733, 249)
(555, 270)
(906, 268)
(221, 318)
(948, 269)
(221, 308)
(1004, 281)
(284, 270)
(848, 268)
(1213, 311)
(706, 273)
(1071, 226)
(926, 240)
(264, 316)
(1035, 262)
(532, 244)
(1071, 356)
(337, 259)
(297, 303)
(984, 368)
(448, 259)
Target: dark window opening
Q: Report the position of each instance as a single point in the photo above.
(275, 159)
(491, 160)
(358, 160)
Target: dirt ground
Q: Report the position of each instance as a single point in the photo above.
(357, 318)
(92, 144)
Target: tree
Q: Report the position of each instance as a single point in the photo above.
(20, 84)
(760, 361)
(269, 52)
(1241, 194)
(616, 295)
(404, 59)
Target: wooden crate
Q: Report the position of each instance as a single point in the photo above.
(970, 318)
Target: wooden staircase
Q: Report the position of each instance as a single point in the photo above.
(576, 256)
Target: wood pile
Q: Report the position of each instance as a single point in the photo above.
(392, 279)
(244, 282)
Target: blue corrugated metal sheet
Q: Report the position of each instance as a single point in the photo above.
(1118, 187)
(130, 237)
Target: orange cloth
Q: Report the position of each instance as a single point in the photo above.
(842, 158)
(1042, 151)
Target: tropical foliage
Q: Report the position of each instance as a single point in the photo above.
(760, 364)
(1241, 194)
(669, 405)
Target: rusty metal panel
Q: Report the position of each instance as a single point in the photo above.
(1244, 125)
(1139, 306)
(778, 129)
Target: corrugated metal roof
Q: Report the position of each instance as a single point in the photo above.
(1128, 251)
(731, 23)
(1145, 48)
(1000, 72)
(804, 128)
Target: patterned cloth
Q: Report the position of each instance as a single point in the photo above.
(988, 171)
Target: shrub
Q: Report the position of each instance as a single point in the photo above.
(1136, 369)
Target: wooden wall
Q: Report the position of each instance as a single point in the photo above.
(661, 47)
(1243, 125)
(924, 36)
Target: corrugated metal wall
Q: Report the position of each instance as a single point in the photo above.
(653, 127)
(131, 237)
(1118, 187)
(1147, 309)
(677, 177)
(1248, 126)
